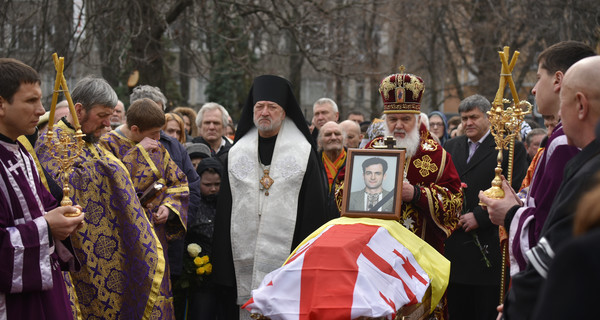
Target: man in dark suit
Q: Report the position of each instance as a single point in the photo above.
(473, 249)
(373, 197)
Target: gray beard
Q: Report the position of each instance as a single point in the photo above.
(274, 124)
(410, 142)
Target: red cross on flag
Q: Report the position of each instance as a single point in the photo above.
(351, 268)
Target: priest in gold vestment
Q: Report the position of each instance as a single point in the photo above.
(150, 166)
(123, 265)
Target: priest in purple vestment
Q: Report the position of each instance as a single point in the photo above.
(31, 283)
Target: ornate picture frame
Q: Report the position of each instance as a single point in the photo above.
(373, 183)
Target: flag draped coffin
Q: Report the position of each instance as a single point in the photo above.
(351, 268)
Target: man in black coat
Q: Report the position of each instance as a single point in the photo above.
(473, 249)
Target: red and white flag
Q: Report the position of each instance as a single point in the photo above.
(344, 271)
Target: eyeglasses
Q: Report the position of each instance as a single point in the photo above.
(433, 124)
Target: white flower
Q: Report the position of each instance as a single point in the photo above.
(193, 250)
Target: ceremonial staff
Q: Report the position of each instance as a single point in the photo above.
(67, 148)
(505, 124)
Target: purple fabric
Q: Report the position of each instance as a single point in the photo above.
(30, 287)
(546, 180)
(117, 231)
(472, 147)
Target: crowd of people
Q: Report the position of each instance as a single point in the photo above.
(150, 183)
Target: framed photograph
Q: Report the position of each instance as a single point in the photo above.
(373, 183)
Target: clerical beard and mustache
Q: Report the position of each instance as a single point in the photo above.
(274, 123)
(411, 140)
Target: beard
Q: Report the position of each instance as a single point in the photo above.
(89, 137)
(274, 124)
(410, 142)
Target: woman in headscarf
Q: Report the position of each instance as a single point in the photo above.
(438, 125)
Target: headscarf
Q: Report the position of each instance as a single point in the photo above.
(445, 137)
(208, 163)
(278, 90)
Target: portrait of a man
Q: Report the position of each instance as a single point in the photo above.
(373, 197)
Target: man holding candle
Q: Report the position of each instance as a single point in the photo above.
(523, 222)
(122, 258)
(31, 283)
(473, 249)
(547, 211)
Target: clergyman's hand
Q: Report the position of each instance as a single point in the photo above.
(497, 208)
(149, 144)
(61, 226)
(408, 191)
(161, 215)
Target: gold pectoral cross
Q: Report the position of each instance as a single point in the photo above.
(266, 181)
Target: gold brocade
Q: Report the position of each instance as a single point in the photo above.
(385, 87)
(440, 199)
(66, 275)
(122, 260)
(415, 85)
(147, 168)
(425, 165)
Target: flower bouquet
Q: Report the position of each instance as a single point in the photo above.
(195, 268)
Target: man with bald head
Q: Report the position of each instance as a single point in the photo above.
(580, 114)
(351, 132)
(332, 153)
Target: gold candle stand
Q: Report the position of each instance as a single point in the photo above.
(505, 124)
(67, 148)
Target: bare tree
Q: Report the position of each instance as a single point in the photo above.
(453, 44)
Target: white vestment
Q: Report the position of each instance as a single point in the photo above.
(262, 226)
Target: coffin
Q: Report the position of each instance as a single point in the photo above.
(354, 268)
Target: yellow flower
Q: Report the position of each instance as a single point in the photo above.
(198, 261)
(205, 259)
(208, 268)
(200, 270)
(194, 250)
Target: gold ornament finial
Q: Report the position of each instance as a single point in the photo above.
(505, 123)
(401, 68)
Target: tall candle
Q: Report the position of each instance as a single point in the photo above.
(63, 82)
(59, 74)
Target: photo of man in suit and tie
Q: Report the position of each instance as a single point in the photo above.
(373, 197)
